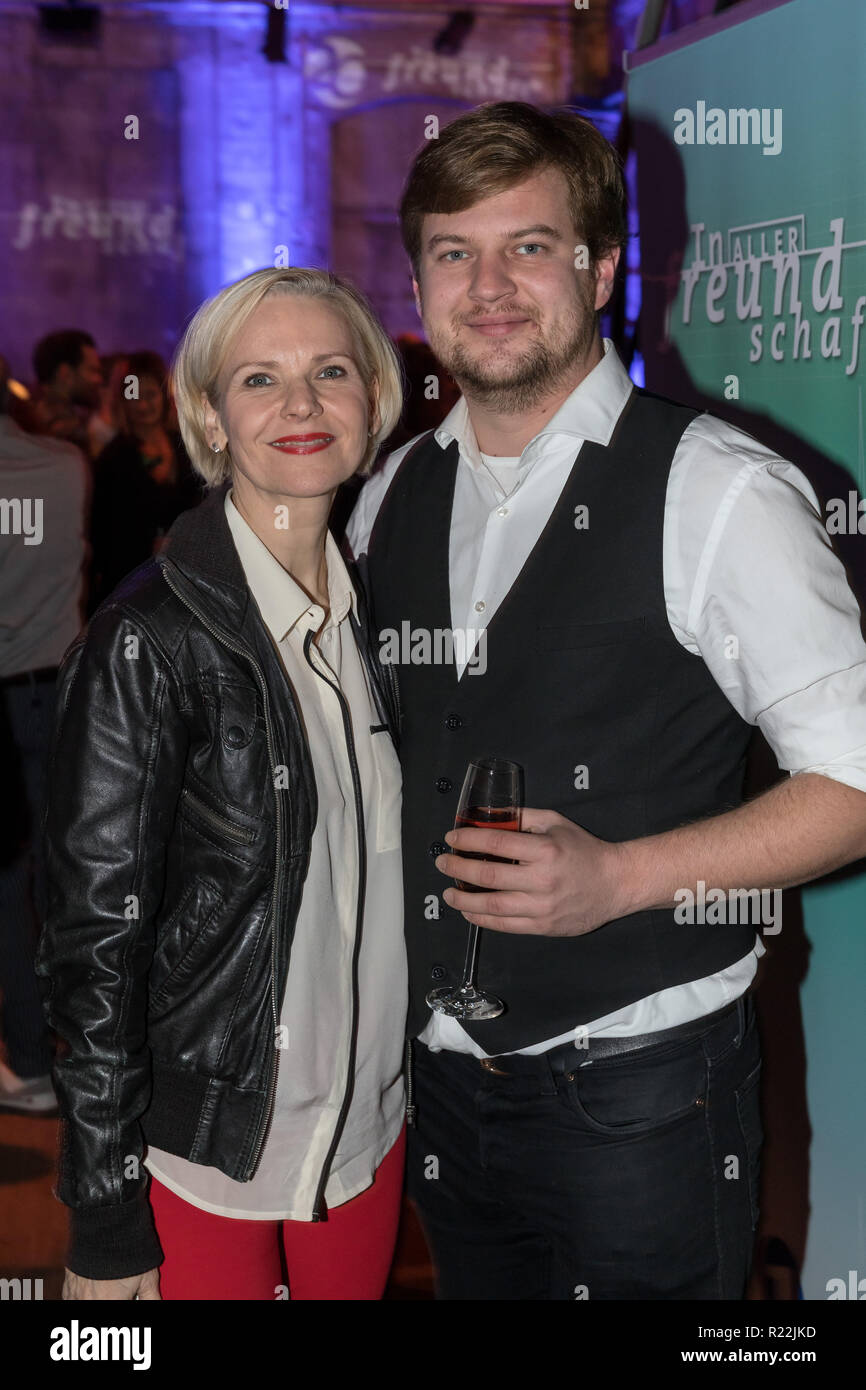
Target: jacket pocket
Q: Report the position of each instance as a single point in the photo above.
(184, 940)
(238, 715)
(220, 823)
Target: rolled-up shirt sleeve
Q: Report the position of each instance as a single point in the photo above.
(754, 586)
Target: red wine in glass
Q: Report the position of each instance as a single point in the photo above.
(485, 818)
(492, 798)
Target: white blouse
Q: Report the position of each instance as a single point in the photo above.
(316, 1012)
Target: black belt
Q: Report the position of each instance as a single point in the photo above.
(567, 1057)
(42, 673)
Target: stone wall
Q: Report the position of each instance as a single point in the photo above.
(123, 226)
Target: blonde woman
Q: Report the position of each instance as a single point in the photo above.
(224, 942)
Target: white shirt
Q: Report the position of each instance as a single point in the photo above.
(43, 547)
(745, 553)
(316, 1011)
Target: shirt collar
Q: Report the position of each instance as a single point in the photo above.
(590, 412)
(282, 601)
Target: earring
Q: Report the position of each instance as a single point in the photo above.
(216, 448)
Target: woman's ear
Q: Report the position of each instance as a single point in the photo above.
(213, 430)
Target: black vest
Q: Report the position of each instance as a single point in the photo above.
(582, 670)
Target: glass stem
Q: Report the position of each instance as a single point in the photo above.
(468, 981)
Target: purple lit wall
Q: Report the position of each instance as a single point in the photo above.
(237, 160)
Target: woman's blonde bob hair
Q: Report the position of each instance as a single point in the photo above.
(202, 352)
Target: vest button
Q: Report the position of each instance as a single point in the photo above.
(453, 721)
(438, 972)
(437, 848)
(235, 736)
(444, 784)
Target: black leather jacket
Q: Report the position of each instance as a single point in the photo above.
(177, 833)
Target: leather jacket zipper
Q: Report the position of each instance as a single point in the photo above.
(411, 1108)
(359, 918)
(275, 896)
(390, 714)
(237, 832)
(391, 678)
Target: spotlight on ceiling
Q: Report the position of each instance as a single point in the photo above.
(275, 38)
(451, 39)
(70, 23)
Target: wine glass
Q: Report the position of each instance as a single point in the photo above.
(492, 796)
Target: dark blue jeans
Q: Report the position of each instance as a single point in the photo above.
(633, 1177)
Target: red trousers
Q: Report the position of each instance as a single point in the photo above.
(348, 1256)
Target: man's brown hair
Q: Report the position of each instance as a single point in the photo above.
(497, 145)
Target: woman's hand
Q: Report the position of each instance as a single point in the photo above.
(139, 1286)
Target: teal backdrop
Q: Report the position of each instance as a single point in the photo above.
(726, 229)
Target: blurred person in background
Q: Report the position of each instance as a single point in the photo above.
(142, 479)
(107, 421)
(430, 392)
(69, 377)
(44, 485)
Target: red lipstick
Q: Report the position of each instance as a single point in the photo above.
(302, 443)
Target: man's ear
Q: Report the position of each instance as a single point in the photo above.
(605, 274)
(416, 290)
(213, 430)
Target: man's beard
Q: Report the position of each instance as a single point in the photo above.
(523, 382)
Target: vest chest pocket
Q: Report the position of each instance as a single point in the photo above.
(387, 790)
(570, 636)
